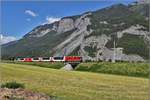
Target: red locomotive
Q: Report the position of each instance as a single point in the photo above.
(69, 59)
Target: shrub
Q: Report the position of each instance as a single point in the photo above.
(39, 64)
(128, 69)
(12, 85)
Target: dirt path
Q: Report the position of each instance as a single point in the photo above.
(21, 94)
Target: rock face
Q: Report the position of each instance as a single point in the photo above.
(65, 25)
(67, 67)
(89, 35)
(42, 30)
(40, 34)
(93, 46)
(132, 58)
(76, 38)
(134, 30)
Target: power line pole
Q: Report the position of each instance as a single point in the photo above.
(65, 51)
(114, 52)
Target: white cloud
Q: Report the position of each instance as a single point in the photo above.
(6, 39)
(50, 20)
(31, 13)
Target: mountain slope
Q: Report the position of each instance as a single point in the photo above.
(89, 35)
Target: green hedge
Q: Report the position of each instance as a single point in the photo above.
(40, 64)
(129, 69)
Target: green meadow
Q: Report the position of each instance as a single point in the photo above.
(118, 68)
(76, 85)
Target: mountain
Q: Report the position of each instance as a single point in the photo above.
(90, 35)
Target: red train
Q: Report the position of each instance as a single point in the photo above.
(70, 59)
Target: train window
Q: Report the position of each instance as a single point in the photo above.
(58, 58)
(45, 58)
(21, 58)
(35, 58)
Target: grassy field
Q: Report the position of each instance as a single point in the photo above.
(119, 68)
(76, 85)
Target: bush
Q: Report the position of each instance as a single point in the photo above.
(128, 69)
(39, 64)
(12, 85)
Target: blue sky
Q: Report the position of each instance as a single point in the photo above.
(20, 17)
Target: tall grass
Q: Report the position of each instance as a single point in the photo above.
(129, 69)
(40, 64)
(12, 85)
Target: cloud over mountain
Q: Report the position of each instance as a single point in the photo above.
(6, 39)
(50, 20)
